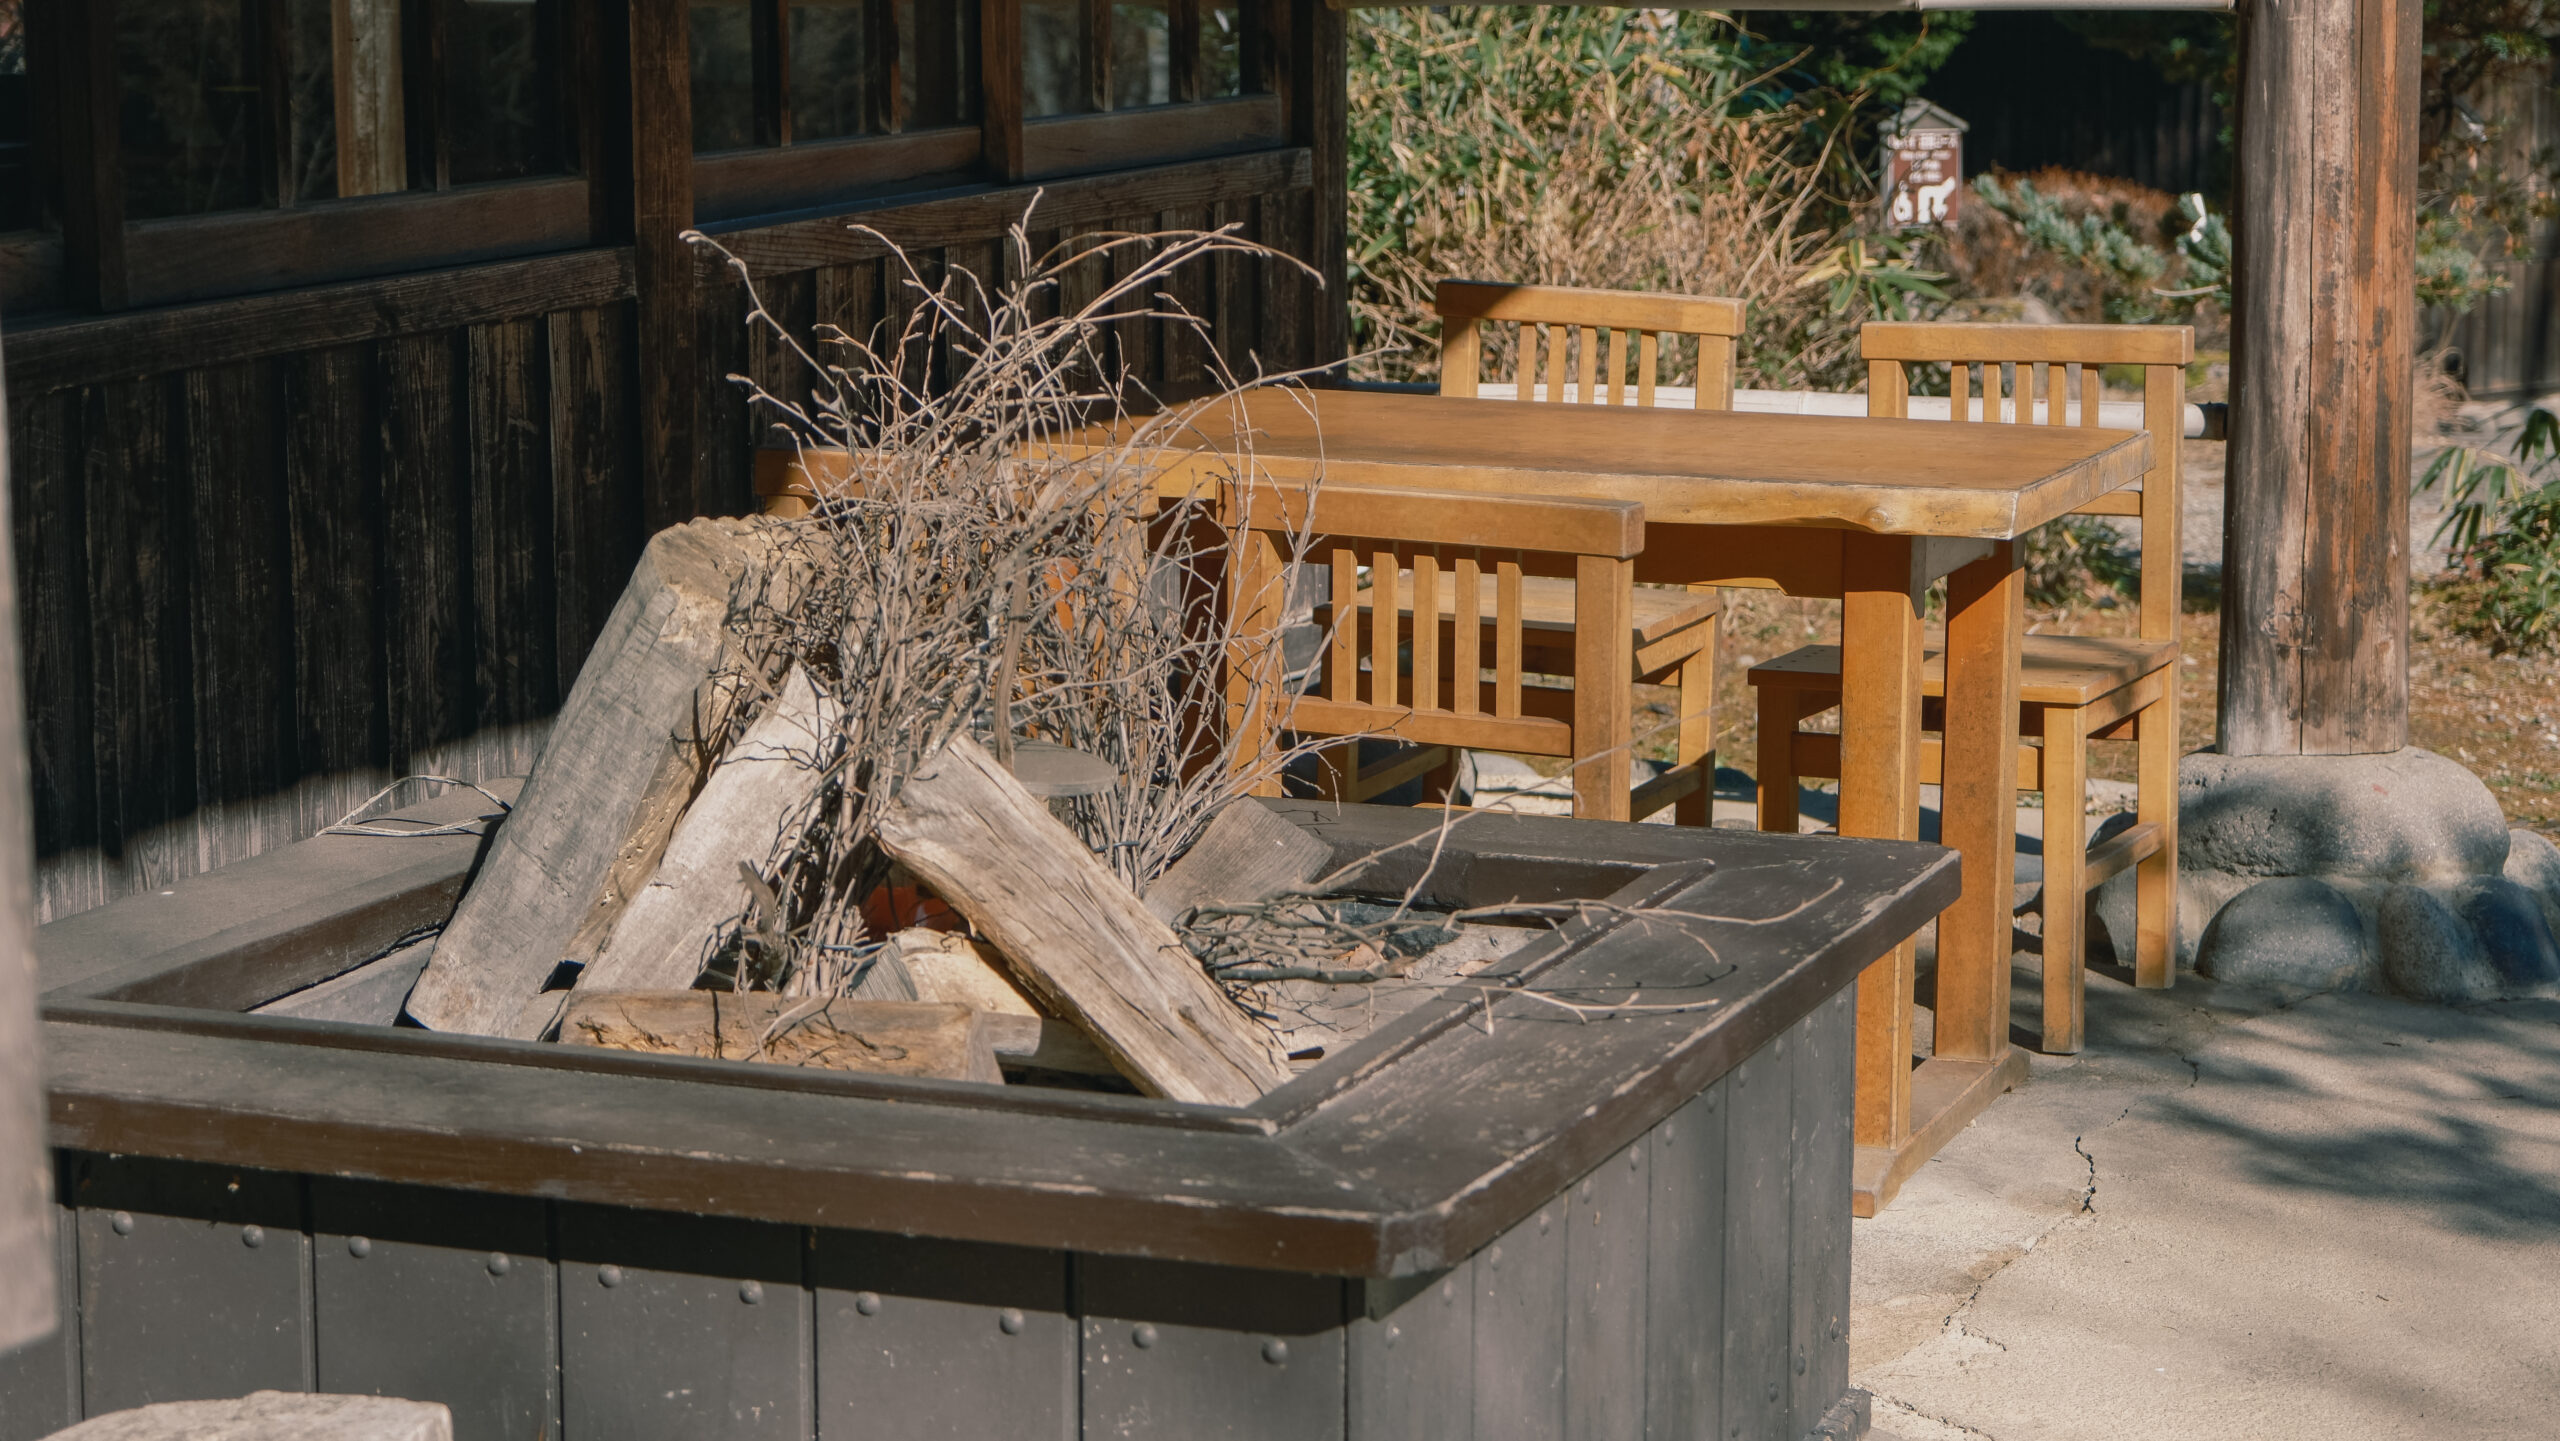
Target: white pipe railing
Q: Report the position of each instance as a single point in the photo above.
(2203, 422)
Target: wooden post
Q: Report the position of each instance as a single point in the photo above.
(643, 71)
(26, 1170)
(2315, 620)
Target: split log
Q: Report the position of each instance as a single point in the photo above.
(369, 995)
(947, 966)
(894, 1038)
(1246, 853)
(660, 943)
(1079, 940)
(637, 704)
(1040, 1044)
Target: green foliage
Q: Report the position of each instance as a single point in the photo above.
(2503, 519)
(2142, 280)
(1875, 61)
(2076, 560)
(1874, 276)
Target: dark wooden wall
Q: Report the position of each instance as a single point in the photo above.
(2036, 94)
(277, 551)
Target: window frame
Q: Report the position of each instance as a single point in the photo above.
(87, 255)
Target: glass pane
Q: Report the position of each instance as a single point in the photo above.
(830, 69)
(189, 111)
(17, 117)
(1053, 50)
(938, 73)
(1141, 54)
(498, 91)
(724, 76)
(1222, 38)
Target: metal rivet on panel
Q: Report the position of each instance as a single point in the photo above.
(1392, 1334)
(253, 1236)
(1634, 1159)
(1276, 1351)
(122, 1221)
(1493, 1258)
(1799, 1363)
(751, 1292)
(867, 1302)
(1586, 1188)
(1145, 1336)
(1545, 1219)
(500, 1263)
(608, 1275)
(1780, 1048)
(1009, 1321)
(1669, 1133)
(1773, 1390)
(1835, 1328)
(1449, 1291)
(359, 1247)
(1711, 1100)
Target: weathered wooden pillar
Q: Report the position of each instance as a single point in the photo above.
(2315, 569)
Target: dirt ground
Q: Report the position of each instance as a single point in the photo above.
(2499, 715)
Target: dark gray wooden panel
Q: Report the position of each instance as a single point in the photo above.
(1412, 1360)
(40, 1382)
(680, 1328)
(241, 614)
(427, 633)
(195, 1282)
(1605, 1253)
(1825, 1152)
(924, 1339)
(1189, 1353)
(513, 597)
(1758, 1130)
(1684, 1304)
(438, 1296)
(1520, 1326)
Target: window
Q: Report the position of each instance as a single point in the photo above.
(356, 100)
(769, 73)
(1082, 56)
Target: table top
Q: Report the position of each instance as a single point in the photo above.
(1689, 467)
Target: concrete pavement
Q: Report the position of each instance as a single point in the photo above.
(2238, 1214)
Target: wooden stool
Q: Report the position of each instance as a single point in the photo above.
(1490, 545)
(2072, 689)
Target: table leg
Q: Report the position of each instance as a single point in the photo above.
(1986, 622)
(1881, 594)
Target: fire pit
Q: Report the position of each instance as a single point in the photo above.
(1606, 1180)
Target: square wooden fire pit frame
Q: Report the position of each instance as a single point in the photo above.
(1395, 1177)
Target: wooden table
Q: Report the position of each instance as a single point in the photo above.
(1867, 512)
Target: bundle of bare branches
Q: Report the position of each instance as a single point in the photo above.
(983, 569)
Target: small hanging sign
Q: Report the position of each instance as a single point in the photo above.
(1923, 164)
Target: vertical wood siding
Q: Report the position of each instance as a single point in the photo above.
(255, 593)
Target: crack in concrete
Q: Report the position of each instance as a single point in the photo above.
(1932, 1418)
(2089, 1194)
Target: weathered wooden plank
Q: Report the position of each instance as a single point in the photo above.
(1231, 288)
(1246, 853)
(1073, 933)
(46, 498)
(848, 298)
(247, 742)
(724, 426)
(1138, 344)
(1822, 1158)
(91, 352)
(1520, 1303)
(1190, 290)
(961, 218)
(137, 609)
(769, 775)
(334, 509)
(948, 966)
(792, 299)
(428, 631)
(634, 702)
(1757, 1293)
(889, 1038)
(1285, 342)
(514, 656)
(1607, 1264)
(595, 480)
(656, 211)
(1684, 1297)
(942, 1341)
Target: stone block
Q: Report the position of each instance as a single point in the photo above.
(2409, 816)
(2289, 931)
(2514, 933)
(2533, 862)
(272, 1416)
(2429, 952)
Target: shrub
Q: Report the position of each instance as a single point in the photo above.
(2503, 519)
